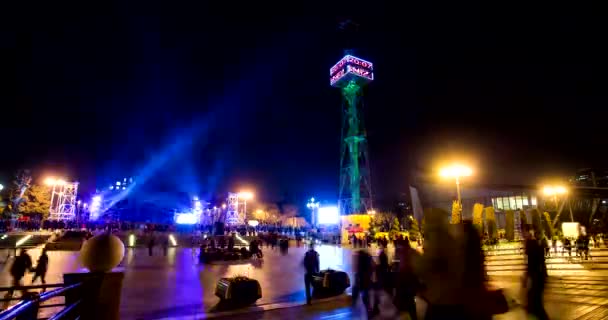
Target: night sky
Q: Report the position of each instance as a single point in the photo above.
(207, 97)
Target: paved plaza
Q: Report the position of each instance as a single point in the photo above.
(176, 286)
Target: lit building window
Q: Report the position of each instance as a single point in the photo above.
(533, 200)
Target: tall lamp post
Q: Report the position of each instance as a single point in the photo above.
(456, 172)
(245, 195)
(554, 192)
(313, 206)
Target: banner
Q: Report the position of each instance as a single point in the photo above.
(416, 205)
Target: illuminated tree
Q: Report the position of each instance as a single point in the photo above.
(456, 212)
(491, 222)
(395, 227)
(414, 228)
(549, 225)
(510, 225)
(382, 221)
(36, 201)
(478, 216)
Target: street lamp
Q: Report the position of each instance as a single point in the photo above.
(245, 195)
(554, 191)
(456, 171)
(313, 206)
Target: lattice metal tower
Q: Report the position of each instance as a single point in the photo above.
(63, 201)
(351, 74)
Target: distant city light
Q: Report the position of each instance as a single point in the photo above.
(195, 198)
(197, 204)
(186, 218)
(111, 187)
(223, 206)
(124, 188)
(118, 183)
(96, 198)
(125, 179)
(329, 215)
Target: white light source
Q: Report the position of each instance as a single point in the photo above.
(185, 218)
(96, 198)
(118, 183)
(131, 240)
(329, 215)
(172, 239)
(253, 223)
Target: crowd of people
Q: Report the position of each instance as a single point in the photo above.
(449, 277)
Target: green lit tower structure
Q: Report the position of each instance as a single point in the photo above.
(351, 75)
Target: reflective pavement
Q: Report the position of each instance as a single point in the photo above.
(176, 286)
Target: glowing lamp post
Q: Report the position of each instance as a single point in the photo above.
(245, 195)
(313, 206)
(554, 192)
(456, 172)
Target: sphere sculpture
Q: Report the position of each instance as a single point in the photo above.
(102, 253)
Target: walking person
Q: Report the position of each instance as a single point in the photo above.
(363, 278)
(311, 264)
(407, 282)
(165, 246)
(151, 246)
(22, 264)
(41, 267)
(536, 275)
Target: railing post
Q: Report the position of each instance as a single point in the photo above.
(32, 312)
(100, 294)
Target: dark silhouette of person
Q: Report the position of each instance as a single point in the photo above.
(41, 267)
(311, 265)
(165, 245)
(383, 280)
(407, 282)
(363, 278)
(21, 265)
(151, 246)
(536, 275)
(231, 243)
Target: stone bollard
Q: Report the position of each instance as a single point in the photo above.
(102, 283)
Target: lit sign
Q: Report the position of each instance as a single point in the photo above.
(329, 215)
(353, 66)
(186, 218)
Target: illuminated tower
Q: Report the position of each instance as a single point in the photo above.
(63, 200)
(351, 74)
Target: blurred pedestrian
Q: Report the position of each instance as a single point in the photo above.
(536, 275)
(151, 246)
(312, 267)
(41, 267)
(363, 278)
(21, 265)
(406, 282)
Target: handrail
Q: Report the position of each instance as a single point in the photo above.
(65, 311)
(24, 305)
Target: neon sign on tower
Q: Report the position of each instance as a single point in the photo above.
(349, 68)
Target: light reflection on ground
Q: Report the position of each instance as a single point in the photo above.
(176, 284)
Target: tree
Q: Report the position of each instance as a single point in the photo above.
(382, 221)
(414, 228)
(395, 227)
(549, 225)
(36, 201)
(21, 183)
(456, 212)
(491, 222)
(510, 225)
(478, 217)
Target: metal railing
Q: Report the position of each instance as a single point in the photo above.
(31, 302)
